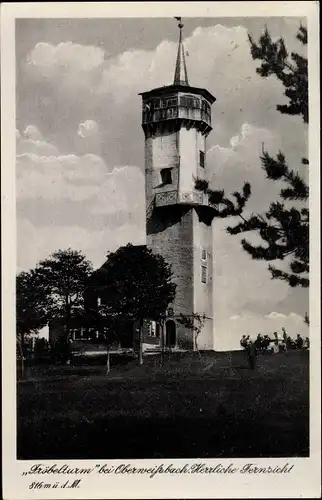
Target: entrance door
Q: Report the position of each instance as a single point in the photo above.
(126, 341)
(170, 333)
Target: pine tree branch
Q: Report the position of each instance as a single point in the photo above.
(257, 53)
(292, 279)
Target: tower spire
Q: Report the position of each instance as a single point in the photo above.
(180, 74)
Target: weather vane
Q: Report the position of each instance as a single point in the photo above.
(180, 25)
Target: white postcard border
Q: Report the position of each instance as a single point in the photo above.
(304, 478)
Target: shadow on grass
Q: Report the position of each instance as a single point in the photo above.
(129, 438)
(179, 411)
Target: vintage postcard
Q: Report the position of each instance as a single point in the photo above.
(160, 243)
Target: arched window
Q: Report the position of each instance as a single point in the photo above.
(152, 329)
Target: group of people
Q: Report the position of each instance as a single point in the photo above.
(265, 343)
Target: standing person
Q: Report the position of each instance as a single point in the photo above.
(275, 347)
(299, 341)
(289, 343)
(266, 342)
(306, 344)
(251, 354)
(243, 341)
(284, 335)
(283, 346)
(259, 342)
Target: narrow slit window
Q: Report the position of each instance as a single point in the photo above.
(202, 159)
(203, 274)
(166, 176)
(203, 255)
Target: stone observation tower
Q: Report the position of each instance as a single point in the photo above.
(176, 120)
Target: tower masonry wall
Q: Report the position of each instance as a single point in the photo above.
(203, 292)
(188, 160)
(177, 234)
(169, 233)
(176, 231)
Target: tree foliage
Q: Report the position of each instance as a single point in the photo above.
(31, 304)
(290, 69)
(62, 279)
(134, 284)
(31, 309)
(194, 322)
(284, 228)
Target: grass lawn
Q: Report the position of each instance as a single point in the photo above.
(213, 407)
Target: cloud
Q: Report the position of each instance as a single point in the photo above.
(85, 80)
(240, 317)
(50, 188)
(239, 162)
(234, 269)
(31, 141)
(58, 177)
(64, 57)
(123, 190)
(33, 133)
(94, 244)
(242, 283)
(68, 60)
(275, 316)
(228, 333)
(89, 128)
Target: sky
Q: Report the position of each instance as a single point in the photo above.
(80, 146)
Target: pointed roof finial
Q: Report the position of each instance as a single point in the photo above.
(180, 74)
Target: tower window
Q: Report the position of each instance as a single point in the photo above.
(202, 159)
(172, 113)
(166, 176)
(196, 103)
(203, 255)
(172, 102)
(203, 274)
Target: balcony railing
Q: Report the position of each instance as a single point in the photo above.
(173, 198)
(167, 198)
(157, 115)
